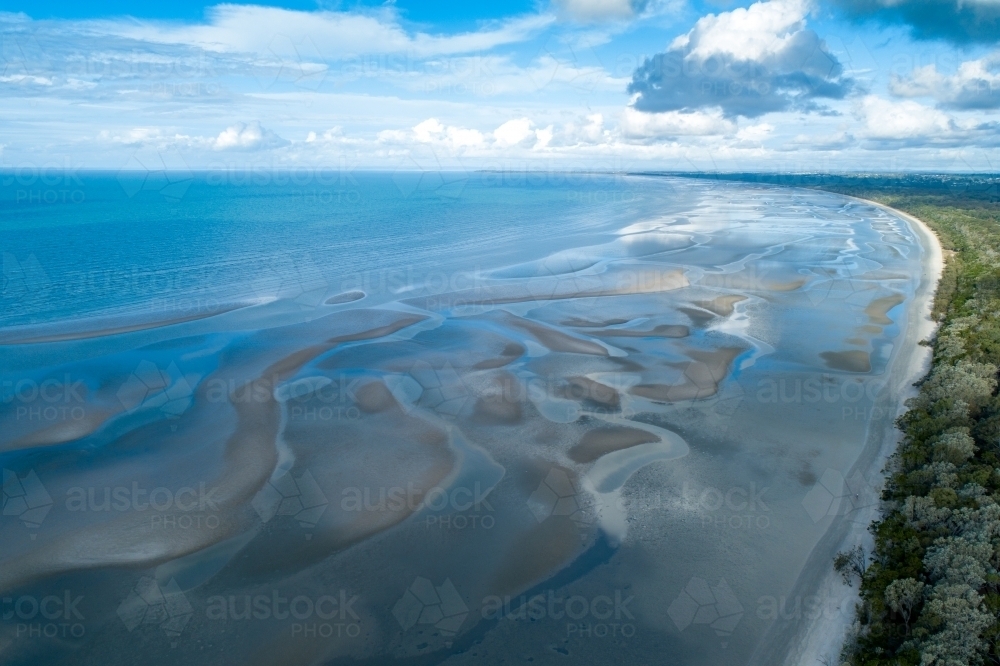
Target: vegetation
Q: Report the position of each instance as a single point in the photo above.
(930, 591)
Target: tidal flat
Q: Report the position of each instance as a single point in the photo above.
(495, 425)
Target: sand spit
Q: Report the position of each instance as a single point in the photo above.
(508, 355)
(58, 433)
(751, 281)
(587, 390)
(412, 455)
(345, 297)
(661, 331)
(600, 441)
(552, 544)
(557, 289)
(99, 329)
(701, 377)
(249, 454)
(587, 323)
(699, 318)
(553, 339)
(722, 305)
(878, 309)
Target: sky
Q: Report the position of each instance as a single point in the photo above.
(720, 85)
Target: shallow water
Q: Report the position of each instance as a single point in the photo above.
(436, 417)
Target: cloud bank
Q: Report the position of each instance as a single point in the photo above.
(975, 85)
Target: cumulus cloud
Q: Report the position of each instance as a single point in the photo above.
(975, 85)
(746, 62)
(514, 132)
(436, 134)
(242, 136)
(670, 124)
(589, 130)
(900, 124)
(959, 21)
(432, 131)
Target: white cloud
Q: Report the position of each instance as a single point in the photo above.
(497, 75)
(252, 28)
(755, 133)
(27, 78)
(639, 125)
(884, 119)
(432, 131)
(133, 137)
(908, 123)
(367, 87)
(514, 132)
(975, 85)
(436, 134)
(242, 136)
(764, 29)
(590, 131)
(747, 62)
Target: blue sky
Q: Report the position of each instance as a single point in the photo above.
(603, 84)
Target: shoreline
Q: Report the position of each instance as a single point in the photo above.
(820, 640)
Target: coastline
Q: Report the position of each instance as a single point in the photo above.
(820, 640)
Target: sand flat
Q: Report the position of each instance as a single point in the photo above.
(660, 331)
(851, 360)
(345, 297)
(878, 309)
(599, 441)
(702, 376)
(722, 305)
(519, 408)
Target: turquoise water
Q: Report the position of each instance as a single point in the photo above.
(424, 411)
(92, 244)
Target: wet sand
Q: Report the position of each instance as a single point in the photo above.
(98, 329)
(588, 424)
(820, 640)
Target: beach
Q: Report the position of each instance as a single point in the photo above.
(820, 641)
(642, 428)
